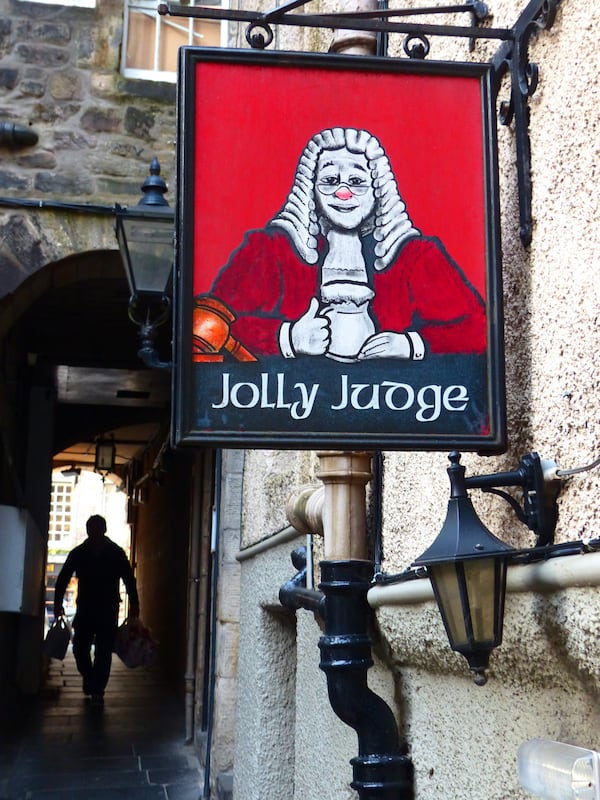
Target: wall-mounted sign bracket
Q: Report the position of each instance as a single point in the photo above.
(512, 57)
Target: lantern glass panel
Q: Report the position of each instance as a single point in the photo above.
(447, 585)
(150, 251)
(480, 582)
(105, 457)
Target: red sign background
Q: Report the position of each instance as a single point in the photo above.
(252, 122)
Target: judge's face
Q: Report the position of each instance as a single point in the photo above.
(344, 193)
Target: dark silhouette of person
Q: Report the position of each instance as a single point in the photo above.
(99, 564)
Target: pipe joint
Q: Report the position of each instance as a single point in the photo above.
(294, 594)
(398, 782)
(345, 652)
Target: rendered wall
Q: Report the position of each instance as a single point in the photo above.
(542, 683)
(543, 680)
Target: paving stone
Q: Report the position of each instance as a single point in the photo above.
(168, 777)
(169, 761)
(60, 748)
(184, 792)
(146, 793)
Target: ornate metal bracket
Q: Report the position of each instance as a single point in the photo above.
(148, 326)
(511, 58)
(539, 494)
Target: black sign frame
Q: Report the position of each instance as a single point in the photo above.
(426, 401)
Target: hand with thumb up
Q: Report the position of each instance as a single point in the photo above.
(311, 334)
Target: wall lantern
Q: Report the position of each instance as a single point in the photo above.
(146, 240)
(467, 567)
(467, 564)
(106, 453)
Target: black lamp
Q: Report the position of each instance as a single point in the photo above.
(467, 566)
(106, 453)
(146, 241)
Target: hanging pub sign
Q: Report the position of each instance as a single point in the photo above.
(338, 275)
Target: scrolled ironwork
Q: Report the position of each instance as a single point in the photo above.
(548, 13)
(259, 35)
(513, 58)
(416, 46)
(141, 314)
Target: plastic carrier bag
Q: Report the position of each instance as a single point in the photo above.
(57, 639)
(134, 644)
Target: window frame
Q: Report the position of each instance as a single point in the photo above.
(67, 3)
(158, 75)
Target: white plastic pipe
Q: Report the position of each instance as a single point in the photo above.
(557, 573)
(557, 771)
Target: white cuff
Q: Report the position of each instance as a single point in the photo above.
(285, 341)
(417, 346)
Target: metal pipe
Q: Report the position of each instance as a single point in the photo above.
(58, 205)
(203, 621)
(212, 654)
(345, 476)
(362, 43)
(294, 594)
(304, 510)
(282, 537)
(192, 609)
(382, 770)
(15, 136)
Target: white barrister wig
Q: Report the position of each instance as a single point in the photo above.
(390, 224)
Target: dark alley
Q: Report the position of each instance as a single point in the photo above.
(58, 747)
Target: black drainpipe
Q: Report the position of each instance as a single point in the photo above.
(382, 770)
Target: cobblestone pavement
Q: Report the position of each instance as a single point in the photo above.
(59, 747)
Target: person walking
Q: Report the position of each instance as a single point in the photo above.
(99, 564)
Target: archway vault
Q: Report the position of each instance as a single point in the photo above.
(67, 326)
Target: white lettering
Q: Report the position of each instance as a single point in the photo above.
(280, 387)
(389, 395)
(357, 388)
(455, 394)
(248, 395)
(300, 400)
(307, 401)
(435, 407)
(344, 396)
(225, 398)
(254, 395)
(264, 391)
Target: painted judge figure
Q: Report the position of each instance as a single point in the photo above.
(341, 271)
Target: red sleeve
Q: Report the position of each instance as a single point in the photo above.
(427, 292)
(264, 283)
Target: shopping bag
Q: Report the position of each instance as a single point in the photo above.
(57, 639)
(134, 644)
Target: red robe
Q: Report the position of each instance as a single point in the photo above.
(266, 283)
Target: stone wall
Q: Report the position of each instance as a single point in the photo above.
(97, 131)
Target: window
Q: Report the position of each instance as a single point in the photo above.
(151, 42)
(59, 528)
